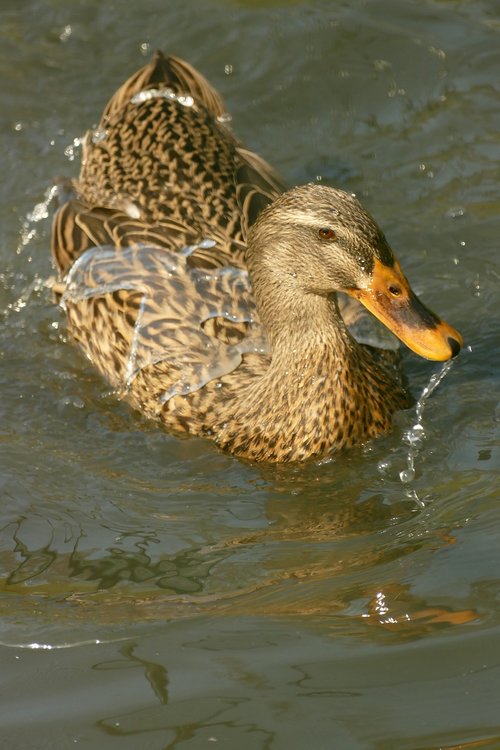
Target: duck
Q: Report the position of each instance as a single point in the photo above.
(221, 303)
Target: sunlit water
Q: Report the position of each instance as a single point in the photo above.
(156, 593)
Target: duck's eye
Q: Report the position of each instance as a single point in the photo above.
(395, 290)
(325, 233)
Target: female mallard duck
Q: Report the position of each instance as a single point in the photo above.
(208, 296)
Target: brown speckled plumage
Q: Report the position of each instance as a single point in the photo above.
(153, 248)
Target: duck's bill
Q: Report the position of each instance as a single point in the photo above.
(391, 299)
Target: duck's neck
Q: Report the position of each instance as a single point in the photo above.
(287, 312)
(313, 355)
(322, 390)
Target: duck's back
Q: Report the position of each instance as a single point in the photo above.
(150, 242)
(163, 156)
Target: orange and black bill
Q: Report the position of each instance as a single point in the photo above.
(391, 299)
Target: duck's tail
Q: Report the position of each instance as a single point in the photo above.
(167, 72)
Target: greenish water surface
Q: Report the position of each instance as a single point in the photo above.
(158, 594)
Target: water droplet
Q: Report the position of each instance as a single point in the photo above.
(65, 33)
(39, 212)
(75, 401)
(205, 244)
(408, 475)
(141, 97)
(416, 434)
(71, 151)
(186, 101)
(455, 212)
(99, 135)
(381, 65)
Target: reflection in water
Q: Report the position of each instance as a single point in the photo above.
(155, 673)
(184, 573)
(178, 723)
(331, 558)
(182, 721)
(397, 610)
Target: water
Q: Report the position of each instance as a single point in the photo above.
(193, 600)
(416, 434)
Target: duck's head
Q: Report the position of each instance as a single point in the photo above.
(320, 240)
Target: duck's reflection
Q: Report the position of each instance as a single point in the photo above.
(315, 552)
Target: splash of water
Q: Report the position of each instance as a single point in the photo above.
(152, 271)
(143, 96)
(39, 212)
(415, 436)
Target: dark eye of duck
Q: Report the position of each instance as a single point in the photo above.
(395, 290)
(325, 233)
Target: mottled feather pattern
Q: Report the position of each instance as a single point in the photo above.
(152, 253)
(202, 327)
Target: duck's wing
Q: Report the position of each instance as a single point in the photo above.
(256, 182)
(148, 243)
(135, 306)
(77, 228)
(163, 152)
